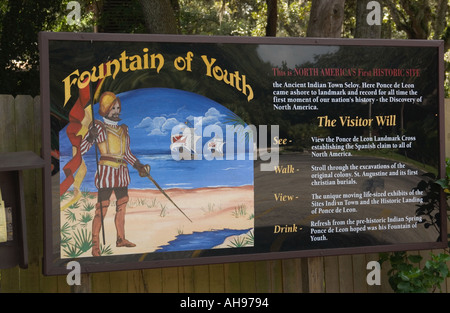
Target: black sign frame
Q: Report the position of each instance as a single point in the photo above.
(55, 265)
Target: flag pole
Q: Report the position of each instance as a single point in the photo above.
(96, 162)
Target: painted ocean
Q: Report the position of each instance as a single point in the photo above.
(185, 174)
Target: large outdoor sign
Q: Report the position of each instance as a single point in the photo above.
(180, 150)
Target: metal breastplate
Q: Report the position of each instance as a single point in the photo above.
(113, 149)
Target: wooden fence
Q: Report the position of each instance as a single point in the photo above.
(20, 129)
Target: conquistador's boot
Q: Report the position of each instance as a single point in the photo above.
(119, 220)
(97, 225)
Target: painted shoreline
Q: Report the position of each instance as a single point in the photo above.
(153, 221)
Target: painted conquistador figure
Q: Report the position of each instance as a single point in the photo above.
(112, 174)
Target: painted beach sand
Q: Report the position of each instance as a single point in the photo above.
(154, 224)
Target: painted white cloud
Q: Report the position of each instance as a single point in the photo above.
(161, 125)
(158, 126)
(211, 117)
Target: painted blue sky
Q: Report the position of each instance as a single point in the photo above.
(151, 113)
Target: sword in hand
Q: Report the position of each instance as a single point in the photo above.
(144, 171)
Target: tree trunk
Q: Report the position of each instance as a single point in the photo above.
(363, 27)
(413, 18)
(326, 18)
(160, 17)
(272, 17)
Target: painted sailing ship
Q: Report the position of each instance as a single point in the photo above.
(215, 146)
(185, 144)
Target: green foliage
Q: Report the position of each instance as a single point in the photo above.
(70, 216)
(20, 23)
(83, 240)
(406, 275)
(221, 17)
(445, 181)
(429, 209)
(85, 218)
(245, 240)
(106, 250)
(76, 239)
(242, 18)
